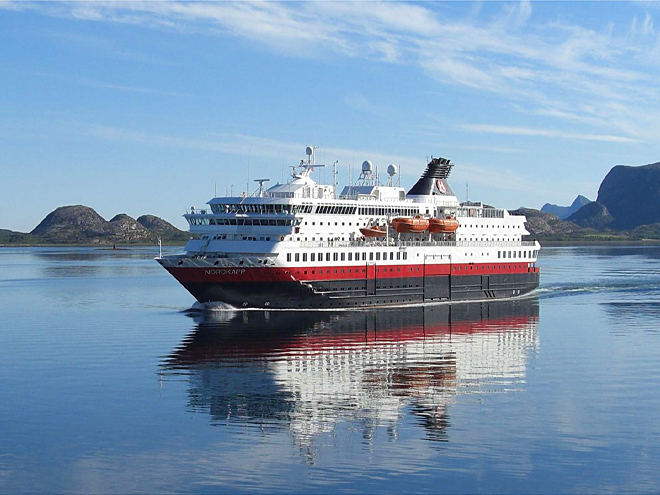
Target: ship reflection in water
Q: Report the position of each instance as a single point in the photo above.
(311, 371)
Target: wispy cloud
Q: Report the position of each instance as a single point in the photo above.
(550, 133)
(598, 82)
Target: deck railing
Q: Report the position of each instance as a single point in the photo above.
(395, 243)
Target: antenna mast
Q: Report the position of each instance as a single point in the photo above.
(334, 178)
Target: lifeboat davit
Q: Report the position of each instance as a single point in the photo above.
(373, 231)
(442, 225)
(415, 225)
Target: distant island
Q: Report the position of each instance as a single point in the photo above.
(82, 225)
(627, 209)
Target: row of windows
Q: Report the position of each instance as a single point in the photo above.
(521, 254)
(481, 212)
(389, 211)
(318, 209)
(391, 255)
(485, 226)
(244, 221)
(261, 208)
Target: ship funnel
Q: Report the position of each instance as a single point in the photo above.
(434, 179)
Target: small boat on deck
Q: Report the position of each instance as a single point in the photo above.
(373, 231)
(415, 225)
(443, 225)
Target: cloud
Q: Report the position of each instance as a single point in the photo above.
(550, 133)
(602, 80)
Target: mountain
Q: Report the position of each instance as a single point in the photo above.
(632, 195)
(79, 224)
(542, 224)
(564, 212)
(71, 224)
(129, 230)
(592, 215)
(163, 229)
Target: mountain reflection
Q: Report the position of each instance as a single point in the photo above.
(311, 371)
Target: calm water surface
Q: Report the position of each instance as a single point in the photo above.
(108, 385)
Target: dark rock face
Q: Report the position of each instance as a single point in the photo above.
(540, 223)
(563, 212)
(593, 216)
(632, 195)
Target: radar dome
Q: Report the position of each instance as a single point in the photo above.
(367, 166)
(392, 170)
(309, 151)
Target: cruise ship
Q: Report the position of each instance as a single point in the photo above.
(299, 244)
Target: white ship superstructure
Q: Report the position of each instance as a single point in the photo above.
(300, 244)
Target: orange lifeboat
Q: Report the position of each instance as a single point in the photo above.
(415, 225)
(443, 225)
(373, 231)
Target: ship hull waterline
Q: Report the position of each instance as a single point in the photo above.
(278, 291)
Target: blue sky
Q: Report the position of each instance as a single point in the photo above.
(144, 107)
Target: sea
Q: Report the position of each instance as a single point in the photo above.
(113, 381)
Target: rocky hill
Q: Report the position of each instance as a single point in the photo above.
(543, 225)
(162, 229)
(82, 225)
(563, 212)
(593, 215)
(632, 195)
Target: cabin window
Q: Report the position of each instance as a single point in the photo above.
(350, 256)
(312, 257)
(364, 256)
(320, 256)
(288, 257)
(398, 255)
(371, 256)
(343, 256)
(335, 256)
(391, 256)
(499, 254)
(377, 256)
(327, 256)
(297, 257)
(304, 256)
(405, 255)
